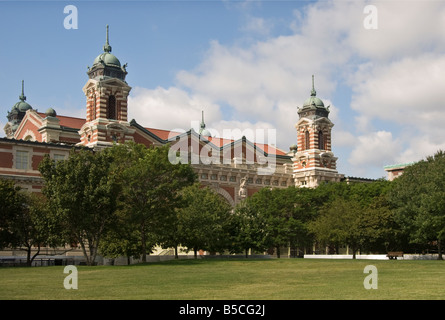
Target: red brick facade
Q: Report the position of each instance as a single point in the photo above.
(19, 161)
(235, 169)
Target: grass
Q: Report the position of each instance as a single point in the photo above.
(228, 279)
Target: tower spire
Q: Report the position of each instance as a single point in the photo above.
(107, 47)
(203, 125)
(22, 96)
(203, 131)
(313, 92)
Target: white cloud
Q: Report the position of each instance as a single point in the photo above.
(420, 147)
(170, 108)
(407, 94)
(405, 91)
(257, 26)
(375, 149)
(404, 27)
(253, 131)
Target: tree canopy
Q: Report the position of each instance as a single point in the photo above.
(124, 200)
(24, 221)
(151, 190)
(82, 193)
(418, 198)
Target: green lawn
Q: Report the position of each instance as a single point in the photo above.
(221, 279)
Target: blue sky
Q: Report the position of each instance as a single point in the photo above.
(248, 65)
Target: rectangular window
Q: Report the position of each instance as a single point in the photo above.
(59, 157)
(21, 160)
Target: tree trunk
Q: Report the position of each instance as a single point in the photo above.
(34, 256)
(28, 256)
(247, 253)
(278, 251)
(195, 252)
(176, 252)
(143, 244)
(84, 250)
(93, 252)
(439, 249)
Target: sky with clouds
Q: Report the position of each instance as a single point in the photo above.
(248, 65)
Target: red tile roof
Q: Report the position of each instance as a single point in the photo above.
(69, 122)
(163, 134)
(219, 142)
(77, 123)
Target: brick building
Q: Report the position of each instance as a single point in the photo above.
(234, 168)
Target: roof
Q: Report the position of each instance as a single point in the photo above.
(313, 101)
(163, 134)
(39, 143)
(398, 166)
(71, 122)
(68, 122)
(217, 142)
(22, 106)
(107, 58)
(271, 149)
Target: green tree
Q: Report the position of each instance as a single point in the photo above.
(121, 239)
(339, 223)
(203, 222)
(82, 193)
(151, 190)
(306, 203)
(357, 215)
(276, 218)
(382, 233)
(250, 228)
(11, 204)
(418, 197)
(24, 219)
(31, 228)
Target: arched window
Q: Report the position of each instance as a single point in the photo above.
(321, 142)
(93, 112)
(111, 107)
(306, 140)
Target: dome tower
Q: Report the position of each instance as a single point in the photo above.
(107, 94)
(106, 65)
(18, 111)
(313, 159)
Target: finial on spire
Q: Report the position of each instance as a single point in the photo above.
(313, 92)
(22, 96)
(203, 125)
(107, 47)
(203, 131)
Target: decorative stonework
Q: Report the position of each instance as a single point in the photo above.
(313, 159)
